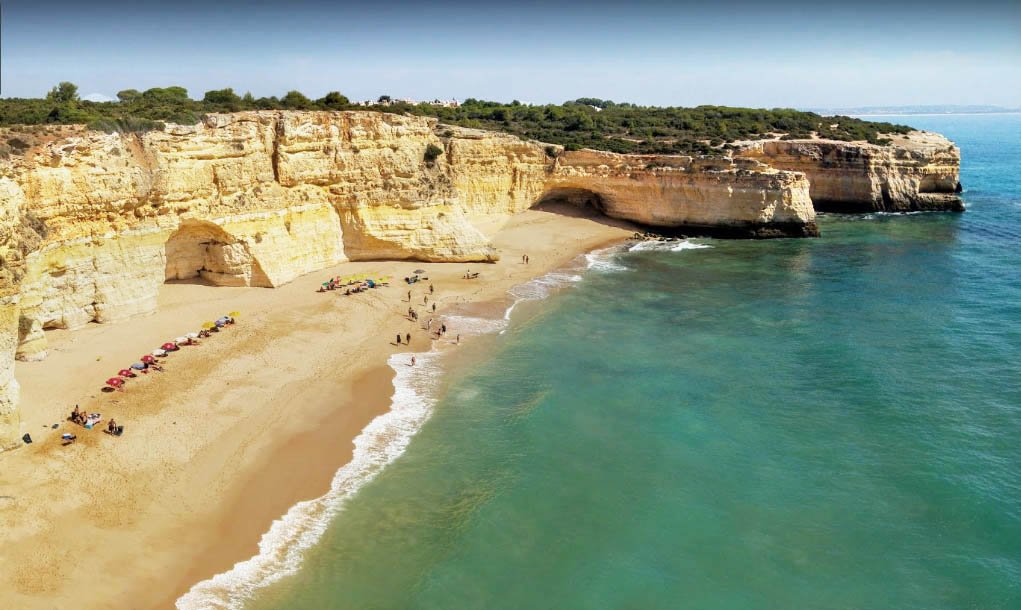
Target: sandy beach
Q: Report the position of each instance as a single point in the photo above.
(233, 432)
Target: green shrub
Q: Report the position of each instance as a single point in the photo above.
(618, 127)
(432, 152)
(334, 100)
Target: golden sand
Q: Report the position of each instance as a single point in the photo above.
(232, 434)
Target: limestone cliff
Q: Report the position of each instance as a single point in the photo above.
(741, 198)
(91, 224)
(918, 171)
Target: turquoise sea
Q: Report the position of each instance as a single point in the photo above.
(813, 424)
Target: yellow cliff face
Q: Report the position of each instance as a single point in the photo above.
(919, 171)
(721, 196)
(92, 224)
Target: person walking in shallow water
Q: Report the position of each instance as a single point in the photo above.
(412, 361)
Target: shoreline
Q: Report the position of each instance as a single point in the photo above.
(194, 498)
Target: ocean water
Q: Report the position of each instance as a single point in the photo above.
(825, 424)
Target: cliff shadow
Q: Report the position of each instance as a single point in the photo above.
(580, 203)
(204, 253)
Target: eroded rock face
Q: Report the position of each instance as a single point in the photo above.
(918, 172)
(741, 198)
(92, 224)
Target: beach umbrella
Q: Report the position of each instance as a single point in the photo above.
(181, 340)
(169, 345)
(126, 373)
(419, 271)
(115, 382)
(208, 325)
(138, 366)
(234, 314)
(192, 335)
(148, 359)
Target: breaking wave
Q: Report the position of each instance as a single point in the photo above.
(667, 246)
(281, 548)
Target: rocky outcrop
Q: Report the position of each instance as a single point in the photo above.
(918, 172)
(91, 224)
(733, 198)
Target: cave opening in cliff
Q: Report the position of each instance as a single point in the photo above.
(587, 202)
(580, 203)
(203, 252)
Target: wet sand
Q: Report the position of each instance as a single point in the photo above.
(233, 433)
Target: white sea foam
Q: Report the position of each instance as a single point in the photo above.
(538, 289)
(689, 245)
(469, 325)
(604, 260)
(541, 287)
(667, 246)
(283, 546)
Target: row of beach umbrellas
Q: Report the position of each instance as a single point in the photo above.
(149, 359)
(357, 278)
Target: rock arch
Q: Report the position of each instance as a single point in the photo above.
(585, 199)
(202, 250)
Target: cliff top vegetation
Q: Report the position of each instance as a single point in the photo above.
(581, 123)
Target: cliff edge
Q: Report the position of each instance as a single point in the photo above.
(92, 224)
(918, 171)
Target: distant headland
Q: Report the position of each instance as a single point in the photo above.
(919, 110)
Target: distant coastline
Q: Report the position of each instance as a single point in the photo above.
(927, 110)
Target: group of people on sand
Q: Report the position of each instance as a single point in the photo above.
(351, 285)
(79, 417)
(86, 420)
(146, 363)
(412, 316)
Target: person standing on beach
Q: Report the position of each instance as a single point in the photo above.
(425, 300)
(398, 338)
(434, 306)
(430, 288)
(409, 296)
(407, 338)
(459, 339)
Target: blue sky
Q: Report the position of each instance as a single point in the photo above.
(800, 54)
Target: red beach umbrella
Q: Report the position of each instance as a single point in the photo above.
(115, 382)
(148, 359)
(126, 373)
(169, 346)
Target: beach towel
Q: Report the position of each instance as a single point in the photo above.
(92, 420)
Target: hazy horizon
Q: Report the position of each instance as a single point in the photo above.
(791, 54)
